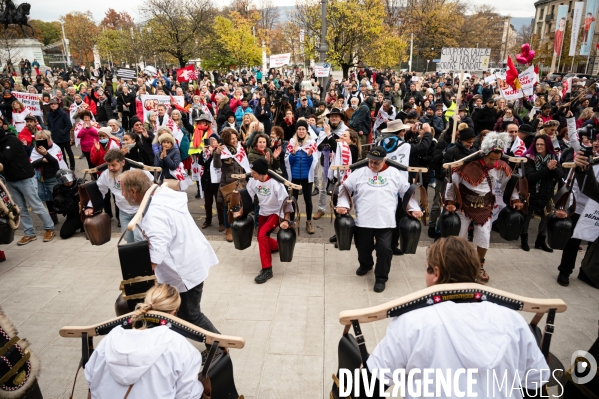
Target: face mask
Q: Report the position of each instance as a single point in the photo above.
(354, 106)
(103, 141)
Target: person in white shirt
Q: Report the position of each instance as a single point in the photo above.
(447, 335)
(111, 181)
(375, 193)
(180, 254)
(475, 181)
(146, 363)
(271, 197)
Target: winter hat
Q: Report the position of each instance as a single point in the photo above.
(467, 133)
(132, 121)
(301, 123)
(260, 166)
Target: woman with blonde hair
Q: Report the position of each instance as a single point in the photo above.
(585, 115)
(19, 112)
(146, 362)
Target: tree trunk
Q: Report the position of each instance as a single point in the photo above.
(181, 61)
(345, 68)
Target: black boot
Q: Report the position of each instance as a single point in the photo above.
(524, 242)
(432, 232)
(54, 217)
(540, 244)
(264, 275)
(333, 239)
(470, 233)
(563, 279)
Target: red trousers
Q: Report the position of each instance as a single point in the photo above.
(266, 244)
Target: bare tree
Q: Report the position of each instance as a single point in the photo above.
(8, 49)
(179, 28)
(269, 15)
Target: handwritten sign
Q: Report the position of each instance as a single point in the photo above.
(278, 60)
(464, 59)
(30, 101)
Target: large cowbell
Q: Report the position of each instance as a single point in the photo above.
(559, 231)
(286, 239)
(510, 223)
(409, 234)
(344, 230)
(449, 224)
(242, 230)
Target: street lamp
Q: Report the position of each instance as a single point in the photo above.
(324, 47)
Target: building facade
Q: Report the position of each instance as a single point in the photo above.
(544, 29)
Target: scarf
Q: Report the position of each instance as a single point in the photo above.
(289, 123)
(342, 156)
(56, 152)
(238, 154)
(506, 119)
(201, 132)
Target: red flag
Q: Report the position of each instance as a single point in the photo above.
(183, 74)
(511, 75)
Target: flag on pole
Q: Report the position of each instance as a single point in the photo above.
(185, 74)
(511, 75)
(536, 79)
(566, 87)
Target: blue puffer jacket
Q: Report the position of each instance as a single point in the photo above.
(300, 164)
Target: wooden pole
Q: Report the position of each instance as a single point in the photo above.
(458, 101)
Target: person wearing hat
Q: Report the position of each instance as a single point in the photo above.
(436, 123)
(105, 142)
(475, 181)
(299, 160)
(376, 190)
(486, 117)
(27, 134)
(304, 110)
(328, 137)
(464, 117)
(146, 137)
(271, 196)
(281, 109)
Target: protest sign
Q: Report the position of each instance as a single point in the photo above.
(278, 60)
(526, 79)
(322, 69)
(150, 103)
(464, 59)
(126, 73)
(30, 101)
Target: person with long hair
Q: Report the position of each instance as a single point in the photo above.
(146, 362)
(300, 157)
(132, 149)
(543, 171)
(263, 114)
(231, 158)
(450, 335)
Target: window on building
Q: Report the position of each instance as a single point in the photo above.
(541, 13)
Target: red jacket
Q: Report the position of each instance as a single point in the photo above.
(97, 156)
(92, 104)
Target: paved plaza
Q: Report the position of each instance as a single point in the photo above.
(289, 324)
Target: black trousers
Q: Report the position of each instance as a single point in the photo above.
(210, 194)
(190, 309)
(570, 251)
(399, 214)
(307, 189)
(70, 226)
(108, 205)
(364, 238)
(68, 151)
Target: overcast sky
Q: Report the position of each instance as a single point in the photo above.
(52, 10)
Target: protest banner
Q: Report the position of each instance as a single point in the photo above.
(278, 60)
(464, 59)
(30, 101)
(322, 69)
(526, 79)
(150, 103)
(126, 73)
